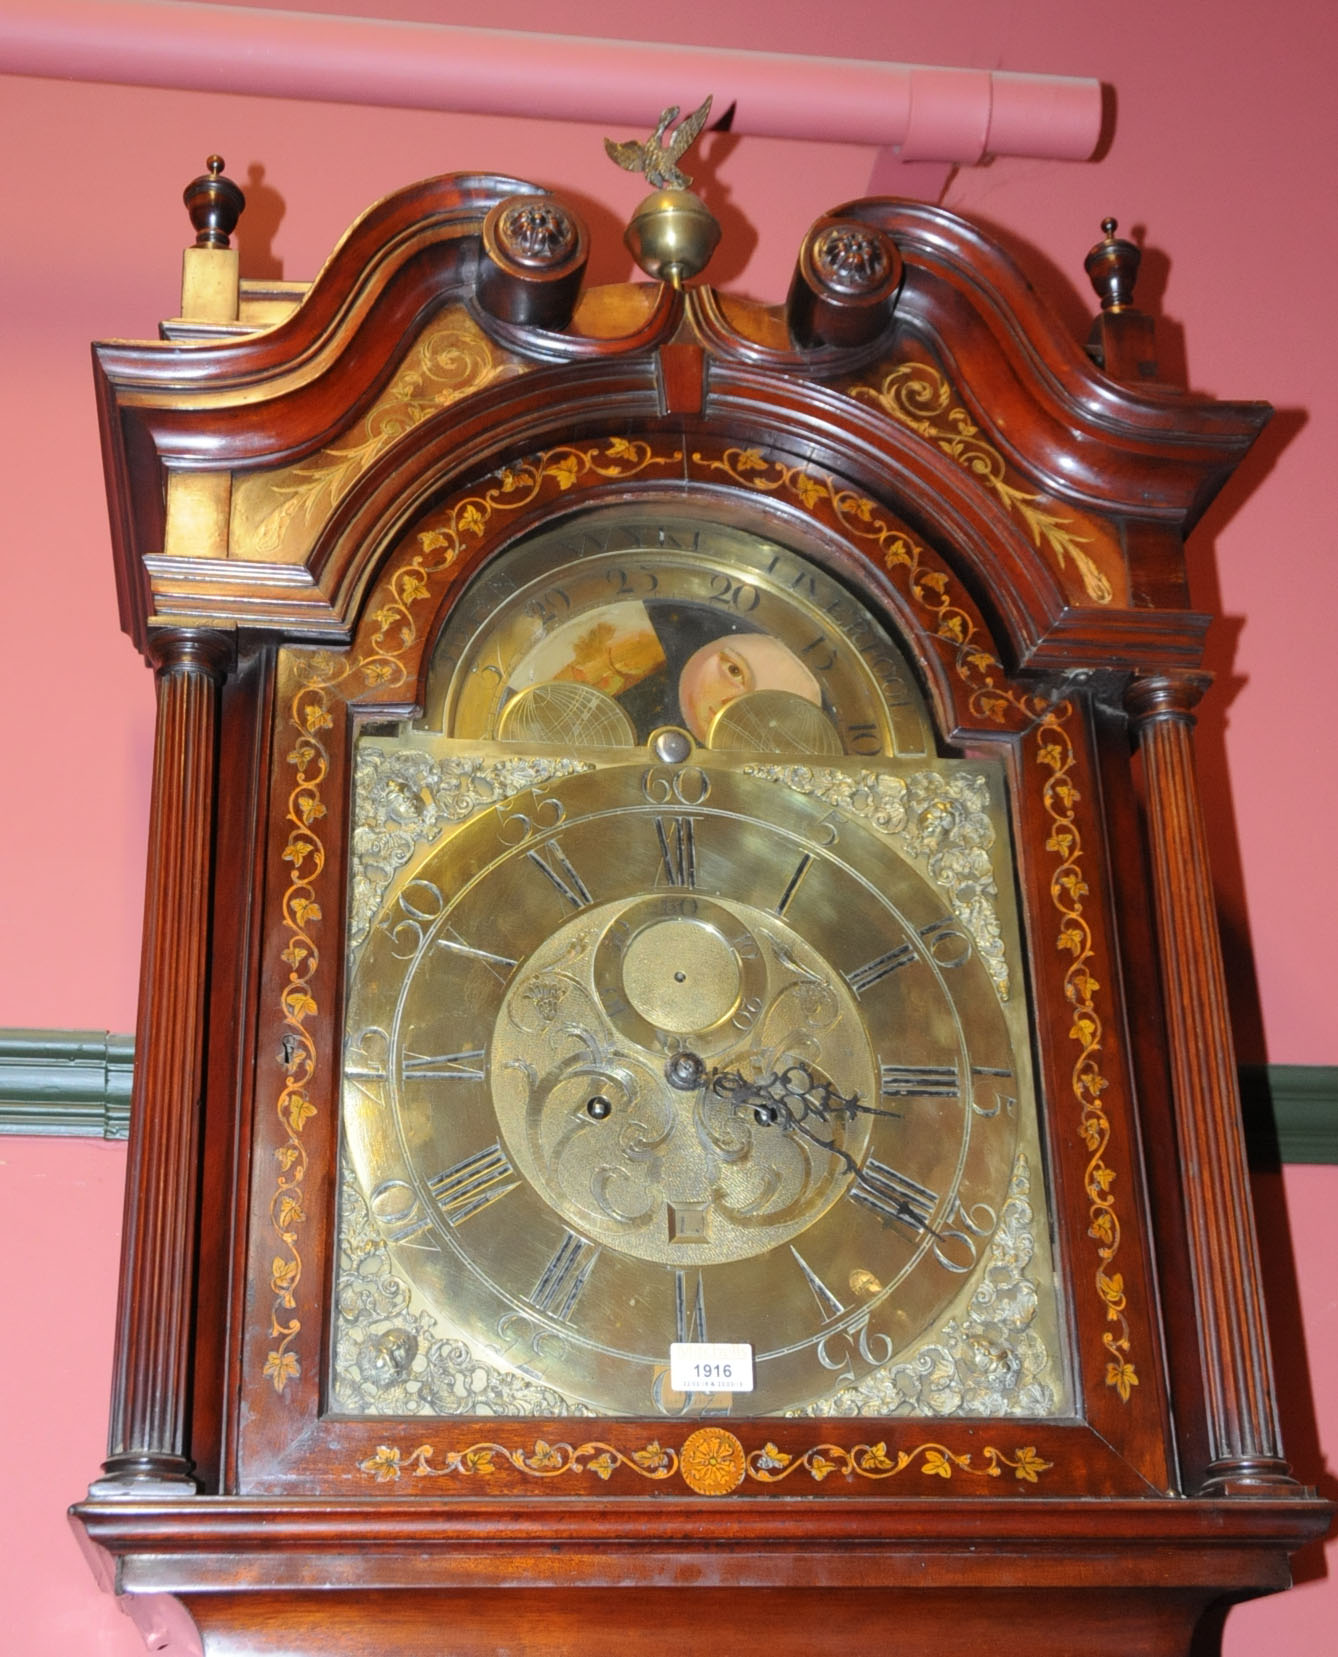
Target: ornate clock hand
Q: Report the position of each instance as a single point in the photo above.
(790, 1098)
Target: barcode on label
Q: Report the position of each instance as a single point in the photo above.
(710, 1366)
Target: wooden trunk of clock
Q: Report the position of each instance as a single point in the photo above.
(675, 822)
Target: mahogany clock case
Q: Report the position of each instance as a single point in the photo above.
(299, 511)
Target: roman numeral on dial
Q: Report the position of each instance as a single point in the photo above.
(562, 1279)
(926, 1081)
(893, 1196)
(678, 850)
(501, 966)
(689, 1308)
(872, 972)
(787, 896)
(555, 863)
(828, 1304)
(929, 1081)
(945, 940)
(473, 1183)
(446, 1067)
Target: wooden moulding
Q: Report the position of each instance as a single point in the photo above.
(1019, 516)
(391, 1576)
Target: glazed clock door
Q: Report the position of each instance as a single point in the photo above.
(685, 1007)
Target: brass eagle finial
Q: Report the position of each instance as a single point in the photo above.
(657, 158)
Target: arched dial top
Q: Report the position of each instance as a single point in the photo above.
(673, 1016)
(625, 619)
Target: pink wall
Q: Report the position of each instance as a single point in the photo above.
(1223, 125)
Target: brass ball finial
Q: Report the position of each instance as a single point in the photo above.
(1112, 268)
(214, 203)
(672, 236)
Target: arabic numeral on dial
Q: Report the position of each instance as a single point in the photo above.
(821, 656)
(515, 827)
(685, 785)
(418, 904)
(634, 583)
(746, 1014)
(947, 943)
(831, 825)
(998, 1099)
(515, 1329)
(738, 595)
(398, 1210)
(365, 1061)
(834, 1350)
(957, 1241)
(554, 606)
(678, 850)
(863, 738)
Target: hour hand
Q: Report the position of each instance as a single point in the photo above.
(794, 1095)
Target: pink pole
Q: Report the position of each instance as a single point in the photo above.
(930, 114)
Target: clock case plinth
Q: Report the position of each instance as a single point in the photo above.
(298, 498)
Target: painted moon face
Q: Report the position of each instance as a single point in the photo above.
(730, 667)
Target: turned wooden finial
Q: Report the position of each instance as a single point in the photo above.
(214, 203)
(1112, 267)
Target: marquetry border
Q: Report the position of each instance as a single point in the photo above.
(920, 397)
(711, 1461)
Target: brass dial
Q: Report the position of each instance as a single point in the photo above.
(674, 1014)
(640, 1079)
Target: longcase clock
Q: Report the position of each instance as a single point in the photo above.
(682, 1087)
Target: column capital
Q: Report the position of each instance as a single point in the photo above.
(1155, 696)
(191, 649)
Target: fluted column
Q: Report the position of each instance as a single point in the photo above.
(149, 1430)
(1244, 1442)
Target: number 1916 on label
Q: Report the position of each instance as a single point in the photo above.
(710, 1366)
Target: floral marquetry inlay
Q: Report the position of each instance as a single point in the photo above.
(277, 514)
(712, 1462)
(918, 396)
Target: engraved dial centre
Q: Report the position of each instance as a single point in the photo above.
(681, 975)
